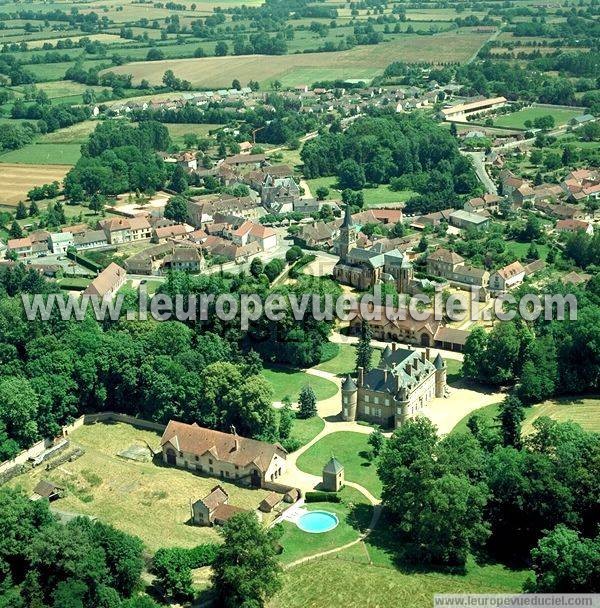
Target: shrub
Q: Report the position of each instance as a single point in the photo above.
(321, 497)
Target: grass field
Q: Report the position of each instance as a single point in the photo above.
(350, 577)
(145, 499)
(75, 134)
(583, 411)
(519, 250)
(357, 62)
(349, 448)
(105, 38)
(44, 154)
(305, 429)
(517, 120)
(289, 382)
(374, 197)
(17, 180)
(177, 131)
(345, 361)
(354, 514)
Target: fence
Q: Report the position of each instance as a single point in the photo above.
(33, 452)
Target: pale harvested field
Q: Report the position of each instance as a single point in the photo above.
(221, 71)
(17, 180)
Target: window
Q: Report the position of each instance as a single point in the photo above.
(367, 410)
(375, 399)
(346, 412)
(345, 399)
(366, 398)
(210, 461)
(197, 458)
(387, 401)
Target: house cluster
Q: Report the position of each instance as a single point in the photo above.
(452, 267)
(399, 388)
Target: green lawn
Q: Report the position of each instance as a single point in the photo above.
(516, 120)
(289, 382)
(374, 197)
(44, 154)
(305, 429)
(345, 361)
(349, 577)
(583, 411)
(354, 514)
(350, 449)
(453, 374)
(519, 250)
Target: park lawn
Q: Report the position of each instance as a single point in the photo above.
(519, 250)
(315, 583)
(149, 500)
(44, 154)
(305, 429)
(345, 361)
(582, 410)
(516, 120)
(288, 382)
(374, 197)
(453, 374)
(350, 449)
(354, 514)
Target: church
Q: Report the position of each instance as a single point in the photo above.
(399, 388)
(364, 268)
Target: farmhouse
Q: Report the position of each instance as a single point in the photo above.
(451, 266)
(225, 455)
(214, 508)
(462, 110)
(20, 247)
(92, 239)
(60, 241)
(108, 282)
(469, 221)
(574, 226)
(399, 388)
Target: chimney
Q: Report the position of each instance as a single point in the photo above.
(407, 368)
(415, 362)
(361, 376)
(385, 375)
(423, 355)
(237, 444)
(233, 431)
(427, 353)
(393, 347)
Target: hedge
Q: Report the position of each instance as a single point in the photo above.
(321, 497)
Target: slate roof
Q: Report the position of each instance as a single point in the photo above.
(348, 384)
(334, 466)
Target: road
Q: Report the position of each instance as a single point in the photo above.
(482, 174)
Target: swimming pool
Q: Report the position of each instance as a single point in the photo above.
(317, 522)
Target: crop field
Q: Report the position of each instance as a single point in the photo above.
(517, 120)
(147, 499)
(44, 154)
(17, 180)
(106, 38)
(359, 62)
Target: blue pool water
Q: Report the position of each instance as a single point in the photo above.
(316, 522)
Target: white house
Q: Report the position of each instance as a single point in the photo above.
(60, 241)
(508, 277)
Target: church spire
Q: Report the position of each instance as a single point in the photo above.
(347, 218)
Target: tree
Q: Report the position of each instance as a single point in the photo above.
(376, 441)
(221, 49)
(256, 267)
(246, 572)
(364, 349)
(179, 182)
(322, 193)
(236, 84)
(307, 402)
(286, 421)
(176, 209)
(21, 212)
(33, 209)
(351, 175)
(15, 232)
(293, 254)
(510, 417)
(563, 562)
(97, 203)
(173, 572)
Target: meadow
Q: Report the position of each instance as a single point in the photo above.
(517, 120)
(147, 499)
(43, 154)
(365, 60)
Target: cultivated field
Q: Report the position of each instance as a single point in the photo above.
(145, 499)
(359, 62)
(106, 38)
(17, 180)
